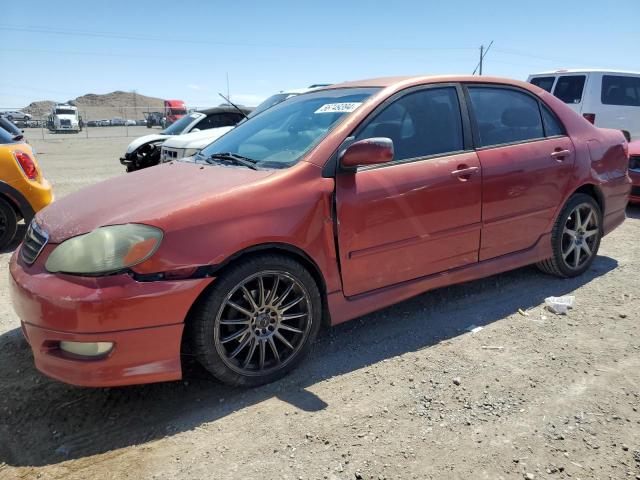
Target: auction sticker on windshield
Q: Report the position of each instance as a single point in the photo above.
(338, 107)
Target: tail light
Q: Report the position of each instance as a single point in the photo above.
(591, 117)
(27, 164)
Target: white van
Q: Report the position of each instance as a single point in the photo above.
(607, 98)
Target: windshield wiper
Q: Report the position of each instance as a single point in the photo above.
(233, 157)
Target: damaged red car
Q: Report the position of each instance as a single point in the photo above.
(328, 206)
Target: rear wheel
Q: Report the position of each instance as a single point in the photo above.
(258, 322)
(8, 223)
(575, 237)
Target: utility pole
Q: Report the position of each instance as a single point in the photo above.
(483, 53)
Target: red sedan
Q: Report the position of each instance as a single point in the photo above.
(328, 206)
(634, 171)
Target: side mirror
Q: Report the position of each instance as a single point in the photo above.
(627, 135)
(371, 151)
(195, 130)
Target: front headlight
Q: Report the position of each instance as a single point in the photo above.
(188, 152)
(105, 250)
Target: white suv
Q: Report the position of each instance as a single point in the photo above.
(607, 98)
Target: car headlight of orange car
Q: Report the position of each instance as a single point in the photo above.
(105, 250)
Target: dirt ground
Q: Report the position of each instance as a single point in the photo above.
(406, 392)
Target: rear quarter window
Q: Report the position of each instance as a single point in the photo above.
(620, 90)
(569, 88)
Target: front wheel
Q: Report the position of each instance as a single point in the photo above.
(258, 322)
(8, 224)
(575, 237)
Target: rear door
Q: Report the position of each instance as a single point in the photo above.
(416, 215)
(527, 160)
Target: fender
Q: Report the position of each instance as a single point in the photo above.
(18, 201)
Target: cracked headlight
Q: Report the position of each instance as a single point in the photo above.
(105, 250)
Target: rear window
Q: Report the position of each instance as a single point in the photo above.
(620, 90)
(569, 88)
(544, 83)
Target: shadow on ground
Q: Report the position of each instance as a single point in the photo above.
(44, 422)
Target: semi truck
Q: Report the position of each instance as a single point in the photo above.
(174, 110)
(64, 118)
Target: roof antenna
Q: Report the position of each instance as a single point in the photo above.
(234, 105)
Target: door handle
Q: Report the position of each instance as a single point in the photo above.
(560, 154)
(464, 173)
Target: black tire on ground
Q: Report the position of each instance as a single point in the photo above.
(8, 223)
(207, 334)
(560, 264)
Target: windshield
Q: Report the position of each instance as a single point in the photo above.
(280, 136)
(270, 102)
(65, 111)
(179, 126)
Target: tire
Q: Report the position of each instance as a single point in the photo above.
(8, 224)
(573, 253)
(265, 338)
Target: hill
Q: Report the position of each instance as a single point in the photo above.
(94, 106)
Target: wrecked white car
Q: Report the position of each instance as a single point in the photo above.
(144, 152)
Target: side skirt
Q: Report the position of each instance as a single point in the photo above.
(346, 308)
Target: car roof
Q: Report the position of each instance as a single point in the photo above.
(584, 70)
(410, 81)
(225, 109)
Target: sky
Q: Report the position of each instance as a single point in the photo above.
(186, 49)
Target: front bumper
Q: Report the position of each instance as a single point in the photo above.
(144, 320)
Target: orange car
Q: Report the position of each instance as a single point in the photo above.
(23, 189)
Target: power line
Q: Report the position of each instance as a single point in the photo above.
(114, 35)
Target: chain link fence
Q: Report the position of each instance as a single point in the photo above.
(95, 121)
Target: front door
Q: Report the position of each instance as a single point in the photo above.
(419, 214)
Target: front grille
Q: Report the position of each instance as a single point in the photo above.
(168, 155)
(33, 243)
(635, 191)
(65, 123)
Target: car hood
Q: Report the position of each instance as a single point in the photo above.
(197, 139)
(138, 142)
(634, 147)
(153, 196)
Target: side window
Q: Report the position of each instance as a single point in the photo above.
(217, 120)
(544, 83)
(505, 116)
(569, 88)
(422, 123)
(211, 121)
(552, 126)
(620, 90)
